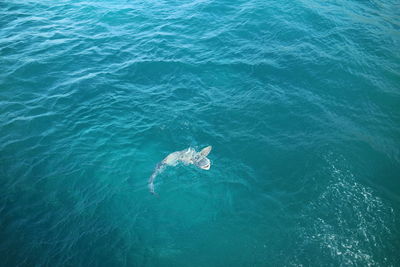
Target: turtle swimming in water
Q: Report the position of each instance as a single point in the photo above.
(187, 156)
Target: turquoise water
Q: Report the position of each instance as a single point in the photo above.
(299, 99)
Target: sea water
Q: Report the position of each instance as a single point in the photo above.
(300, 101)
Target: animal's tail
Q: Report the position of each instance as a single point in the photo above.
(159, 169)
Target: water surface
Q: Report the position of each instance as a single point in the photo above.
(299, 99)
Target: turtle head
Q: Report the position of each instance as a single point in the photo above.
(201, 160)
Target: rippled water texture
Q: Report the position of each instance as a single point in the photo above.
(299, 99)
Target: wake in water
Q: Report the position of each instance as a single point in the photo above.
(187, 156)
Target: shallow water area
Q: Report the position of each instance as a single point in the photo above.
(300, 101)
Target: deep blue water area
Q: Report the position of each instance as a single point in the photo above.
(300, 101)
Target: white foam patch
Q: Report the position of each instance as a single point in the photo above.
(348, 223)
